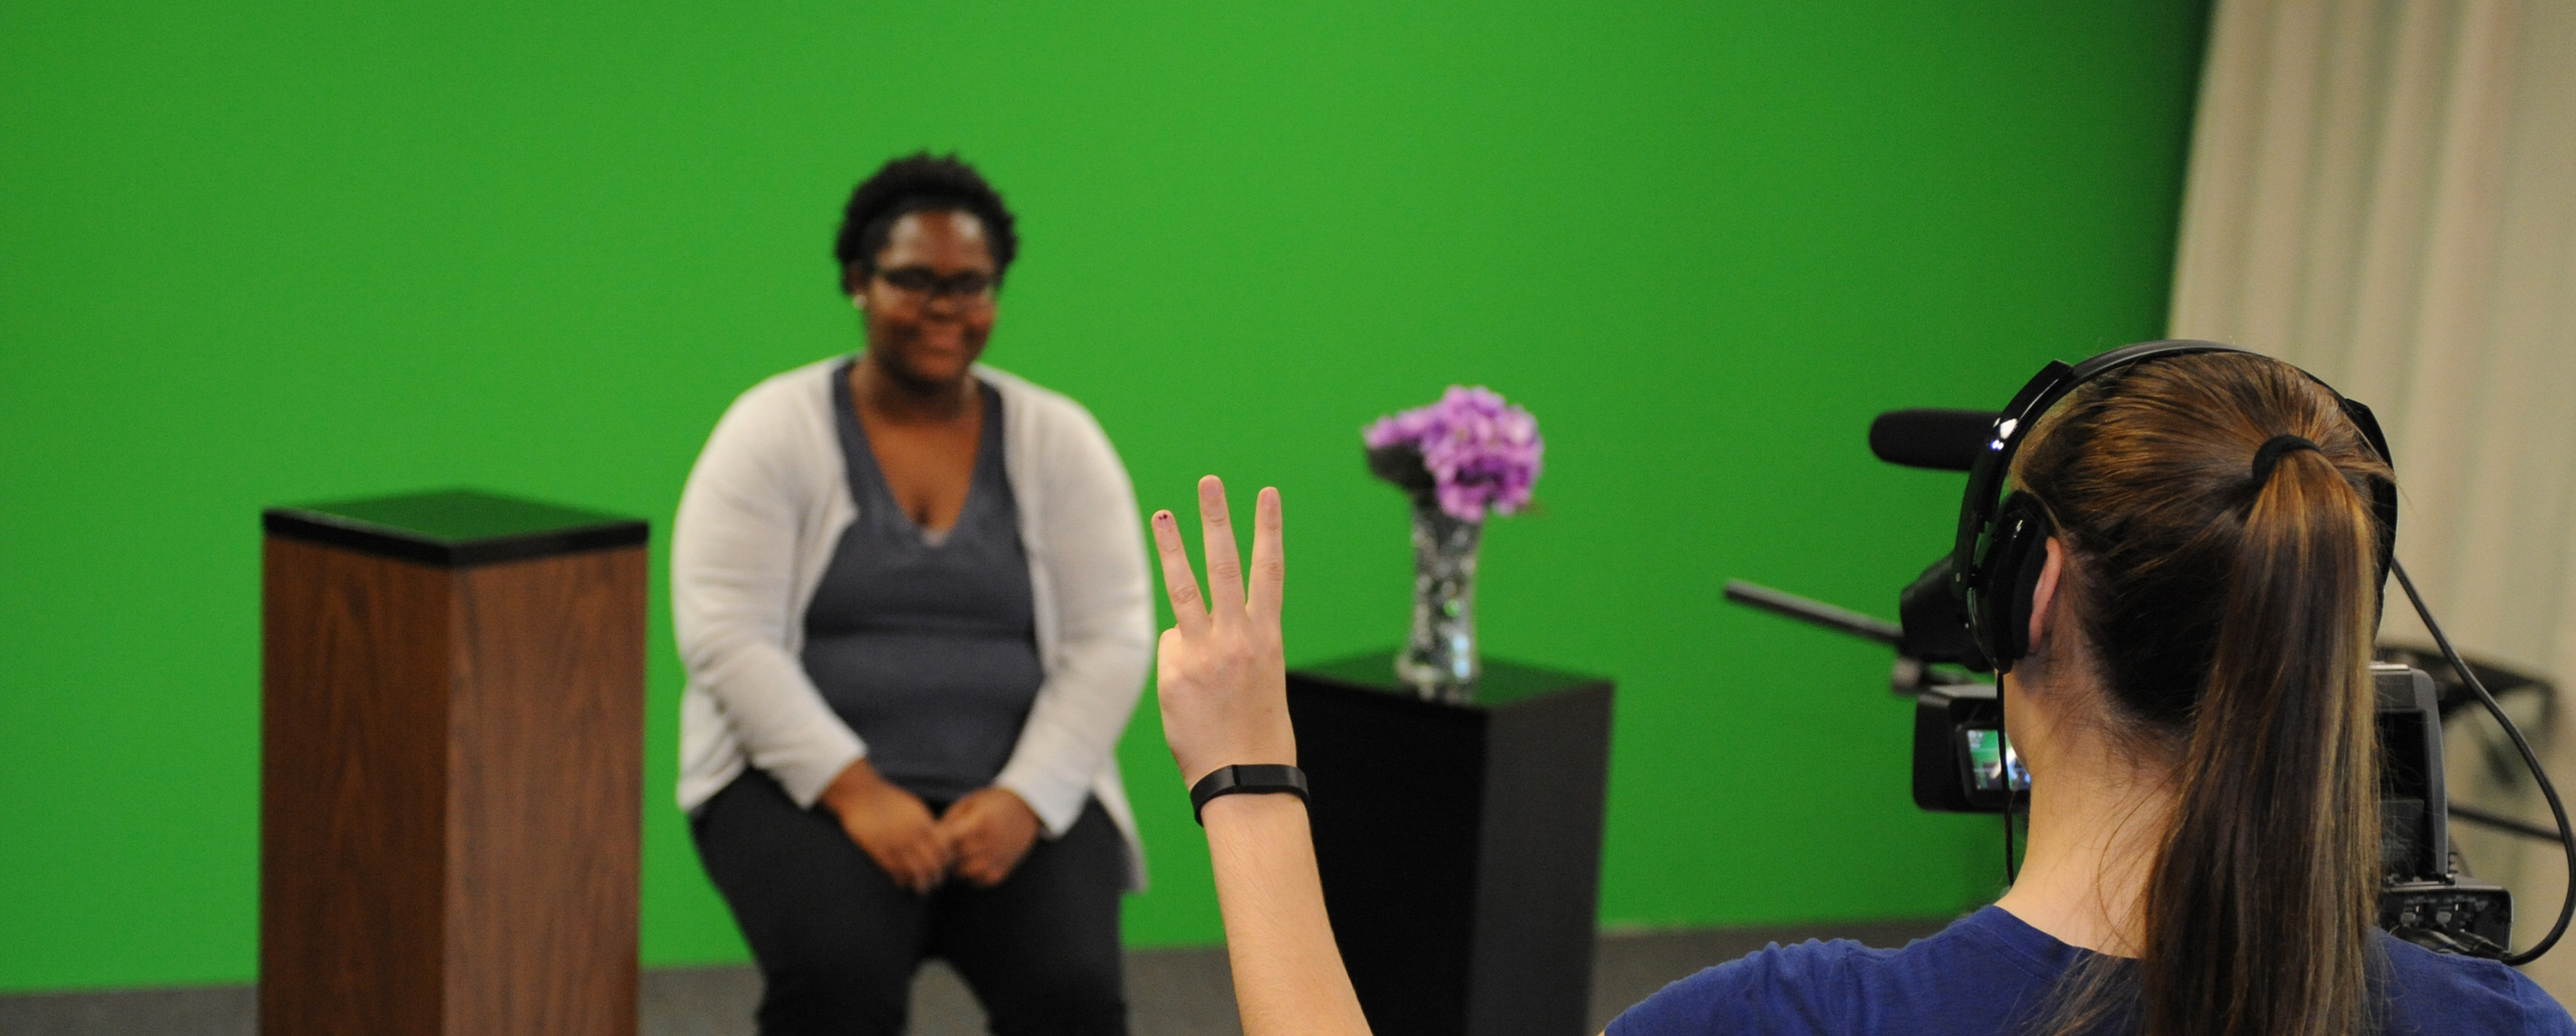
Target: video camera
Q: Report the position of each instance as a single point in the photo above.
(1964, 763)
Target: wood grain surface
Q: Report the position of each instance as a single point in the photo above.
(353, 792)
(544, 800)
(450, 794)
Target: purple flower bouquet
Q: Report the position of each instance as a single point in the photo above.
(1467, 456)
(1471, 452)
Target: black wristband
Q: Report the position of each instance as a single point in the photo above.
(1252, 778)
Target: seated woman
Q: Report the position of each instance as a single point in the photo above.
(912, 601)
(2188, 684)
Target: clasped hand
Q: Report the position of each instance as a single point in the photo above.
(981, 838)
(1221, 676)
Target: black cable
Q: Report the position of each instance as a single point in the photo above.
(2557, 809)
(2502, 823)
(2012, 872)
(2003, 765)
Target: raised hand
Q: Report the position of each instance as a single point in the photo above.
(1223, 681)
(1221, 674)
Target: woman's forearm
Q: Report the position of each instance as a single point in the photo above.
(1288, 975)
(1222, 677)
(733, 602)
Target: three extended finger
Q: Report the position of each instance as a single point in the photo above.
(1269, 563)
(1224, 557)
(1179, 583)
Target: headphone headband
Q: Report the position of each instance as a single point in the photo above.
(2052, 383)
(1975, 562)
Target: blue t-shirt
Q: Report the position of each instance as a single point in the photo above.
(1991, 973)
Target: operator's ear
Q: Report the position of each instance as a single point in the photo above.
(2043, 597)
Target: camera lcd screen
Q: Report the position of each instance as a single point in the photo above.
(1990, 757)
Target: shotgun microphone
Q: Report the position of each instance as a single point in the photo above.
(1943, 440)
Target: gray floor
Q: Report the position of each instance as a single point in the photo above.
(1171, 992)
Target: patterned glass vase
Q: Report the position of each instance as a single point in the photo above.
(1439, 659)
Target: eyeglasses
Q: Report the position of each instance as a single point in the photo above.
(968, 287)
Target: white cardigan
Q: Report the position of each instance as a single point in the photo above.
(762, 513)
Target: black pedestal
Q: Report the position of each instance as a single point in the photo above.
(1460, 845)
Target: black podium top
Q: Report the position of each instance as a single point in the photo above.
(1501, 684)
(454, 528)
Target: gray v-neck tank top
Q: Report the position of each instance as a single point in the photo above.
(927, 647)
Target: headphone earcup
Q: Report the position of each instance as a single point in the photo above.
(2015, 556)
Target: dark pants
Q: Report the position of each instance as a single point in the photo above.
(837, 941)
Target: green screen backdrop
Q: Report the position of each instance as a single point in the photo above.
(254, 254)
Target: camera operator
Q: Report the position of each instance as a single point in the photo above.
(2193, 702)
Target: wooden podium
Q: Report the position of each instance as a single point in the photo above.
(1459, 845)
(451, 768)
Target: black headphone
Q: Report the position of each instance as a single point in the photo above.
(2002, 543)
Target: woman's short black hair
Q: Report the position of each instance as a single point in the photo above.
(918, 182)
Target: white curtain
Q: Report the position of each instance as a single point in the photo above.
(2384, 193)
